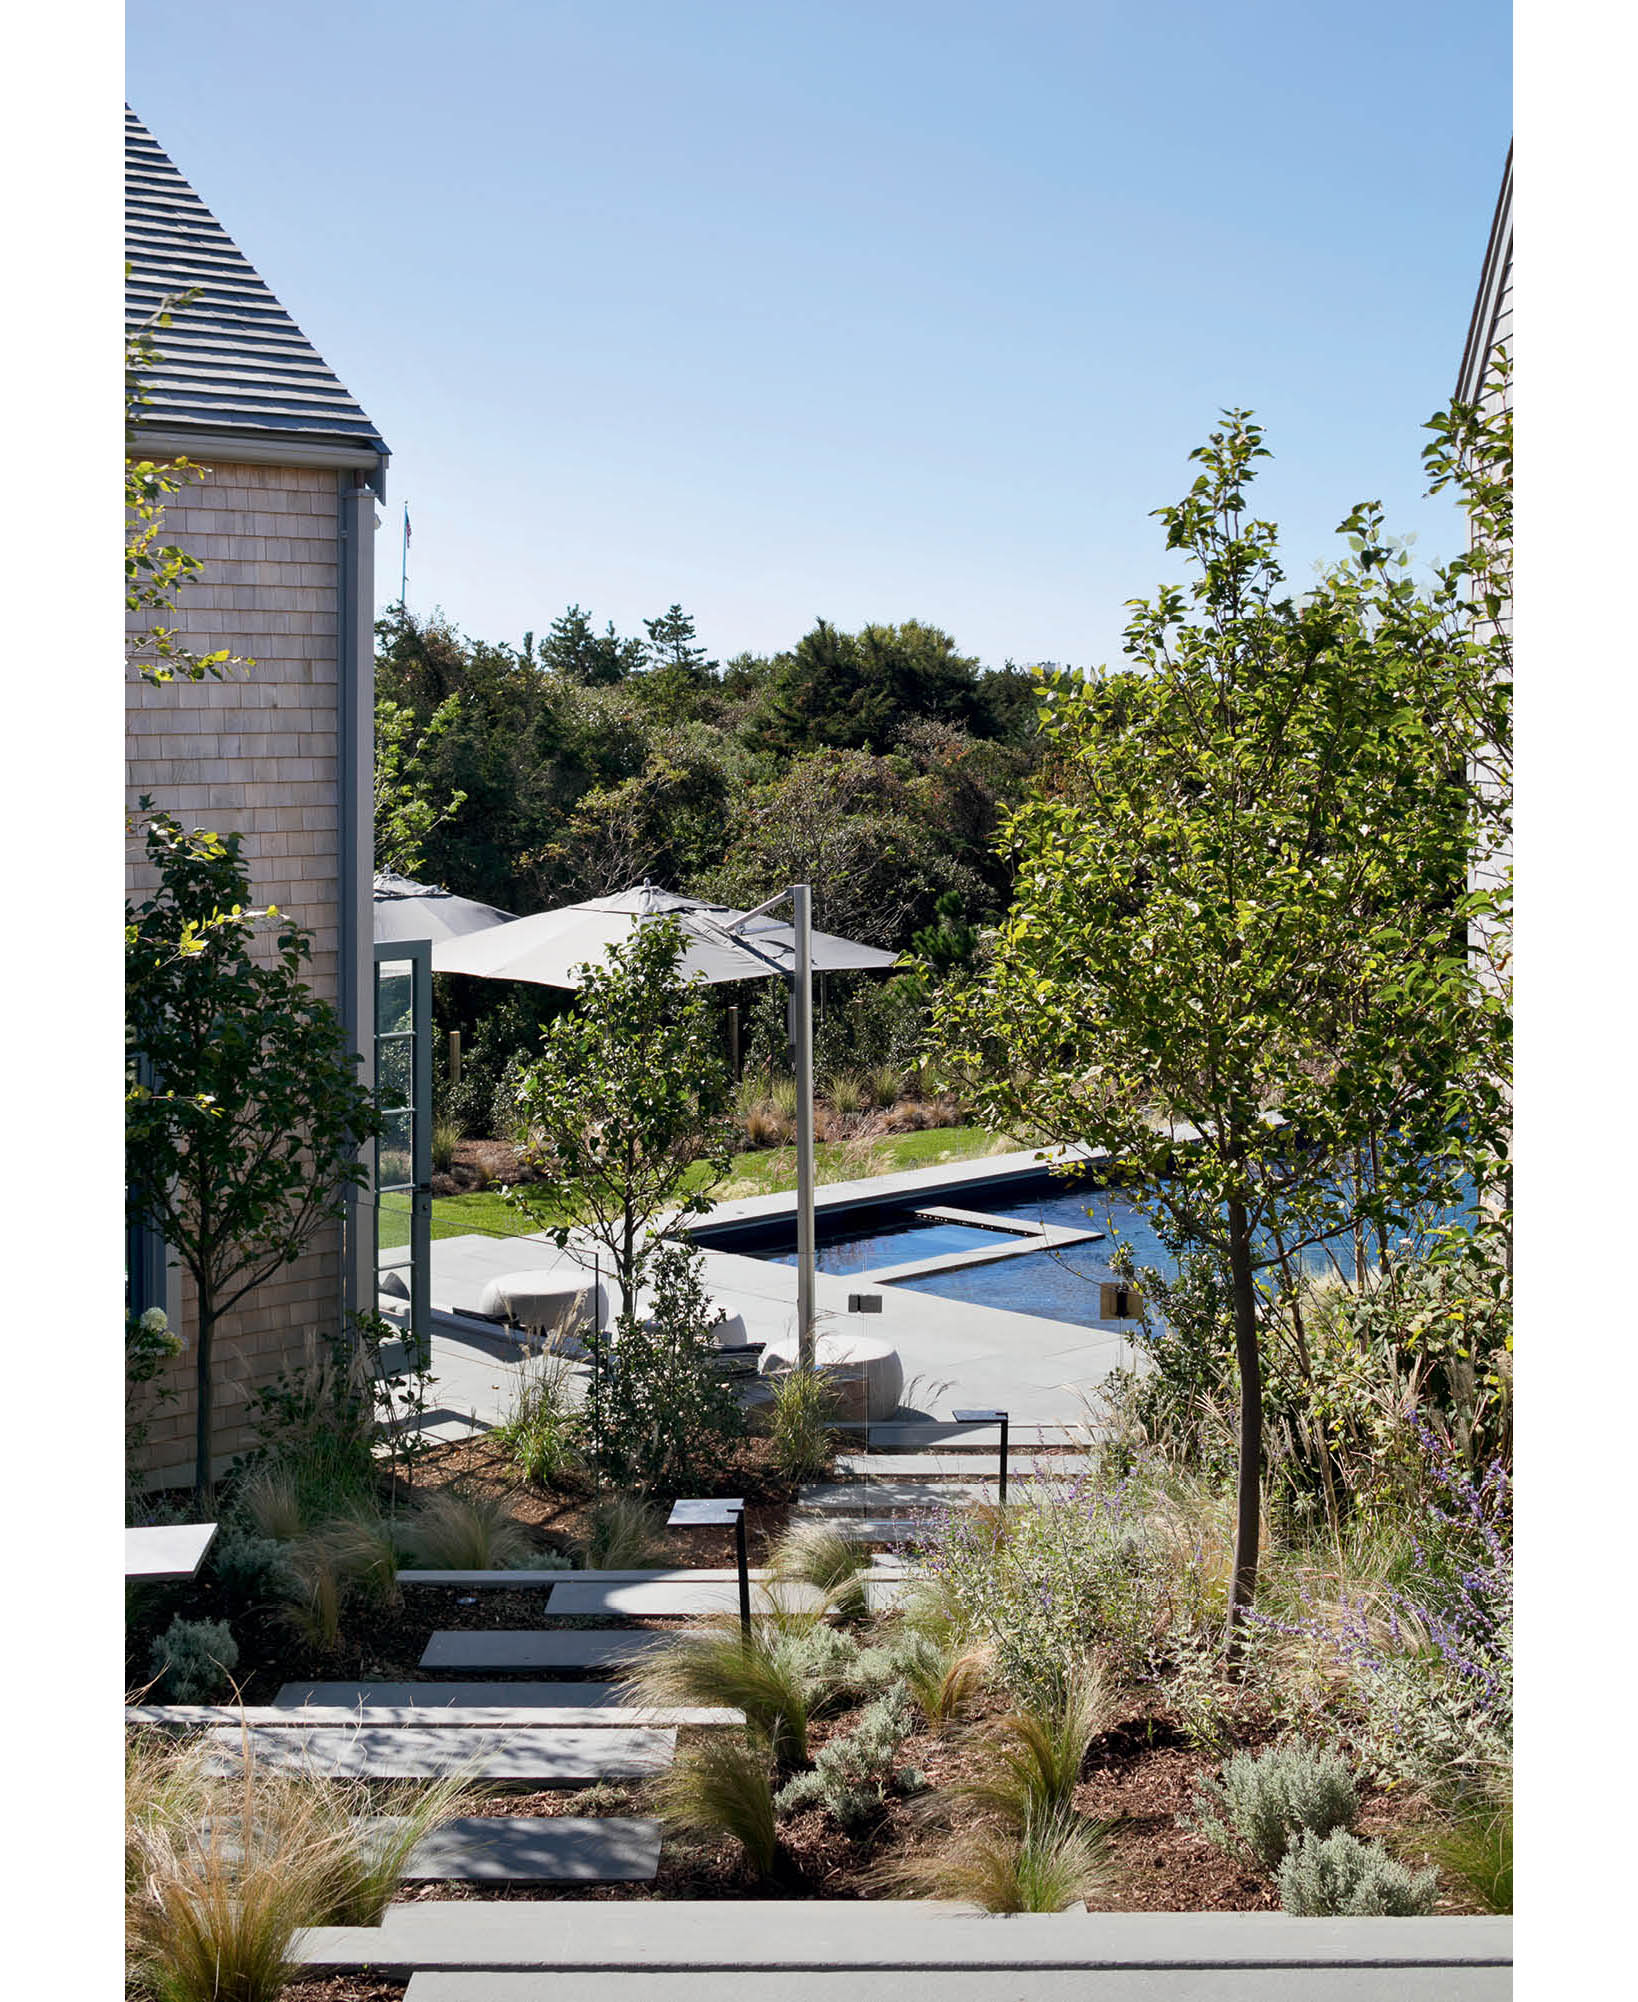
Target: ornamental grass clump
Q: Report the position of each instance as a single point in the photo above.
(1339, 1876)
(542, 1430)
(1051, 1864)
(818, 1554)
(447, 1531)
(1261, 1804)
(1031, 1850)
(803, 1405)
(223, 1871)
(780, 1676)
(622, 1533)
(724, 1786)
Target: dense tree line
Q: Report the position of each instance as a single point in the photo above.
(876, 764)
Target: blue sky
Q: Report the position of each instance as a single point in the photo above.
(869, 311)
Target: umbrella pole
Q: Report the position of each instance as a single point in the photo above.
(802, 916)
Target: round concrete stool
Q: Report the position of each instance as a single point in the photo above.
(864, 1371)
(553, 1306)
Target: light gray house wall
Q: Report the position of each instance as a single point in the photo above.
(283, 522)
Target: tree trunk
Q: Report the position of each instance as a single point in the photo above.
(1248, 1498)
(202, 1388)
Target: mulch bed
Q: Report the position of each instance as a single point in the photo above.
(1143, 1772)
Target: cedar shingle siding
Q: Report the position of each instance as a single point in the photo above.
(262, 754)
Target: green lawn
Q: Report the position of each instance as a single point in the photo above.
(756, 1174)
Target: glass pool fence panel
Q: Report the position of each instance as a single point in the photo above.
(403, 1153)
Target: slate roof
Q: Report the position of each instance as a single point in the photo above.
(233, 363)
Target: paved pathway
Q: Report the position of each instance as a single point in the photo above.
(435, 1702)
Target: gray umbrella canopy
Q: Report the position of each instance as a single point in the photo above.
(406, 910)
(550, 948)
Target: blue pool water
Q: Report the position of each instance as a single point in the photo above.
(1063, 1285)
(894, 1244)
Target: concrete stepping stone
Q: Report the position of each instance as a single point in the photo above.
(916, 1435)
(876, 1496)
(514, 1581)
(944, 1467)
(670, 1937)
(533, 1849)
(636, 1602)
(582, 1704)
(610, 1714)
(1127, 1984)
(166, 1551)
(545, 1758)
(509, 1650)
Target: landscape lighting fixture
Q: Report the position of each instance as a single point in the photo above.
(714, 1513)
(989, 1418)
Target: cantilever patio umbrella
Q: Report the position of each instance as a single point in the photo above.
(406, 910)
(722, 944)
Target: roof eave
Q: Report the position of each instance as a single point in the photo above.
(260, 448)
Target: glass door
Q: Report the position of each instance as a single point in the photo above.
(403, 1153)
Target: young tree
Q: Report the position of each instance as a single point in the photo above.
(246, 1113)
(1234, 957)
(625, 1106)
(671, 645)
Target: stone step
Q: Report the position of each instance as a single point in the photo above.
(533, 1849)
(944, 1984)
(458, 1695)
(918, 1434)
(514, 1581)
(607, 1714)
(944, 1467)
(1129, 1984)
(636, 1602)
(875, 1497)
(507, 1650)
(546, 1758)
(672, 1937)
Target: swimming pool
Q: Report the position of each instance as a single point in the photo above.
(1056, 1284)
(845, 1250)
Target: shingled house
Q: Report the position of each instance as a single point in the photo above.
(284, 521)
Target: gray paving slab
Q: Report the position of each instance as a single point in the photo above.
(936, 1432)
(635, 1602)
(511, 1581)
(606, 1714)
(946, 1467)
(519, 1650)
(533, 1849)
(453, 1695)
(546, 1758)
(835, 1935)
(879, 1497)
(166, 1550)
(944, 1984)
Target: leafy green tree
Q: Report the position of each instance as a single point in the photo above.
(242, 1140)
(856, 691)
(626, 1105)
(572, 649)
(1233, 957)
(407, 811)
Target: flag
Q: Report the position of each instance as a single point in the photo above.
(406, 525)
